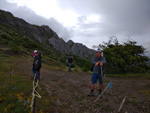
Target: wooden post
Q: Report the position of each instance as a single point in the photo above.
(101, 93)
(122, 104)
(10, 79)
(35, 98)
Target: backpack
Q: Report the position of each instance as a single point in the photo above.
(37, 62)
(70, 60)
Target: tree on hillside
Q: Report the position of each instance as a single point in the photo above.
(124, 58)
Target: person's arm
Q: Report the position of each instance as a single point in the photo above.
(95, 62)
(101, 63)
(104, 60)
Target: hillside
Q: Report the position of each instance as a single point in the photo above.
(15, 27)
(64, 92)
(17, 37)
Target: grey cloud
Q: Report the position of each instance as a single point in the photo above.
(5, 6)
(118, 15)
(31, 17)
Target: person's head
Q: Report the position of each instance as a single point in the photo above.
(98, 53)
(36, 52)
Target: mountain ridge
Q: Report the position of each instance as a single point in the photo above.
(45, 36)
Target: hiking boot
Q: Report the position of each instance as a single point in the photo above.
(91, 94)
(100, 91)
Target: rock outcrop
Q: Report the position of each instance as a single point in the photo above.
(60, 45)
(81, 50)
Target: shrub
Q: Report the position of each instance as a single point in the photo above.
(15, 49)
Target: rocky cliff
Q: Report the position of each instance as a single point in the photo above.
(45, 35)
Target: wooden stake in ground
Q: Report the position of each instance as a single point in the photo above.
(35, 98)
(108, 86)
(35, 94)
(122, 104)
(10, 78)
(102, 93)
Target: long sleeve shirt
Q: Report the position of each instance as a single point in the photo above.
(97, 69)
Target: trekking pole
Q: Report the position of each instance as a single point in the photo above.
(102, 72)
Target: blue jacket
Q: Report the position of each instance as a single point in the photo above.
(97, 69)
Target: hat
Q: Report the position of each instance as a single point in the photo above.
(98, 50)
(35, 51)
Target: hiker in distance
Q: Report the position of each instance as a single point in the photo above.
(70, 61)
(37, 63)
(98, 61)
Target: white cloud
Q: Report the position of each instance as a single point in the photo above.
(49, 9)
(93, 18)
(46, 8)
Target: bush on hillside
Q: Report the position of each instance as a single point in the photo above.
(15, 49)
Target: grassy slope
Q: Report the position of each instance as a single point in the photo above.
(16, 43)
(21, 86)
(20, 89)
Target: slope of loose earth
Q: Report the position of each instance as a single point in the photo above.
(68, 91)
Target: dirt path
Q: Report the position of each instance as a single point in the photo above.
(70, 90)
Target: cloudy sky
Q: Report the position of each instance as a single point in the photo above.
(90, 22)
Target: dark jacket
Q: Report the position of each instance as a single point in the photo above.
(37, 62)
(70, 60)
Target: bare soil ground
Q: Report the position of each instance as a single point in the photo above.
(70, 90)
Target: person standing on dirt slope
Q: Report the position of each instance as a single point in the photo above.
(70, 60)
(98, 61)
(37, 63)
